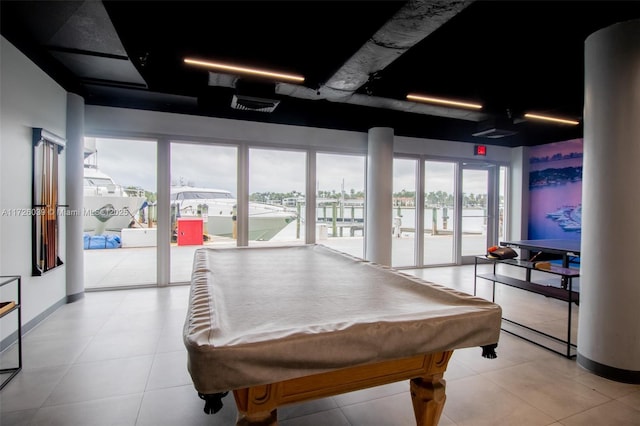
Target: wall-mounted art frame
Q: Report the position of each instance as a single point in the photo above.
(46, 203)
(555, 190)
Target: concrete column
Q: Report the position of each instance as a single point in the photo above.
(608, 342)
(379, 194)
(163, 210)
(74, 155)
(519, 194)
(242, 197)
(310, 205)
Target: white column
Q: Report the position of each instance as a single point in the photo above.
(74, 156)
(310, 197)
(242, 198)
(519, 194)
(609, 328)
(379, 194)
(163, 210)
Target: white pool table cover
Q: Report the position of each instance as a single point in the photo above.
(262, 315)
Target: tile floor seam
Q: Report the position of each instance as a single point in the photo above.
(139, 410)
(586, 410)
(619, 399)
(326, 410)
(146, 382)
(609, 399)
(53, 388)
(91, 400)
(516, 396)
(344, 415)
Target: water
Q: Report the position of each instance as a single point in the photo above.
(474, 221)
(550, 199)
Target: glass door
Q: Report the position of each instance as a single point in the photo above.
(120, 224)
(340, 202)
(277, 181)
(477, 210)
(439, 212)
(403, 244)
(203, 200)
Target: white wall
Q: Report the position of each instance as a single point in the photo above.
(28, 98)
(449, 149)
(108, 121)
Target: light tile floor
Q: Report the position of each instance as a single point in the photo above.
(117, 358)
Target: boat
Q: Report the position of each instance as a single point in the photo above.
(569, 218)
(108, 207)
(560, 213)
(265, 220)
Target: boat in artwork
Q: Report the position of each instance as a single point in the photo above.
(265, 220)
(569, 218)
(108, 206)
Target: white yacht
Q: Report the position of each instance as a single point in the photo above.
(265, 220)
(108, 207)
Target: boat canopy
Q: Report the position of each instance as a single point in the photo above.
(200, 194)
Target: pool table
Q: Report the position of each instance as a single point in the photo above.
(279, 325)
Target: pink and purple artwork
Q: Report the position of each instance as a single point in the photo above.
(555, 190)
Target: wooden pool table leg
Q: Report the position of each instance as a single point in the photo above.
(257, 419)
(256, 406)
(428, 397)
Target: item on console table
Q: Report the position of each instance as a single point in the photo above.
(542, 265)
(6, 306)
(501, 253)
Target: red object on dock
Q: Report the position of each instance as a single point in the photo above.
(190, 231)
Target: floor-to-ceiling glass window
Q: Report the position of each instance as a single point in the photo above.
(340, 202)
(476, 210)
(439, 212)
(119, 215)
(203, 200)
(277, 180)
(463, 206)
(404, 212)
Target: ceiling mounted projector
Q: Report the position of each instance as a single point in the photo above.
(495, 128)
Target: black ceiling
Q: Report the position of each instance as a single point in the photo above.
(359, 58)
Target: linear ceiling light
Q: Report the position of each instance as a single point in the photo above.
(430, 99)
(245, 70)
(554, 119)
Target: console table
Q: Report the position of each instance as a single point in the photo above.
(13, 305)
(567, 250)
(564, 293)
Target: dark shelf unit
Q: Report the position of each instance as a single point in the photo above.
(564, 293)
(6, 280)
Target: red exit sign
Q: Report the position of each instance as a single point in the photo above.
(480, 150)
